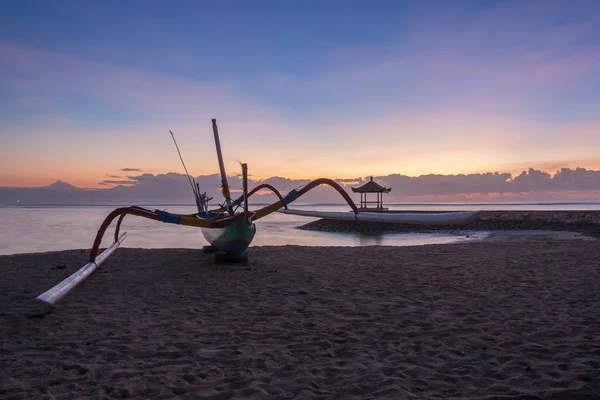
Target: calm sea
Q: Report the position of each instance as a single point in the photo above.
(50, 228)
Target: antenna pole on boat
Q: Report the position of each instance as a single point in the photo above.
(184, 167)
(224, 184)
(193, 184)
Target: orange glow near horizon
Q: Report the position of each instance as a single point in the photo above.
(23, 173)
(24, 166)
(90, 178)
(443, 147)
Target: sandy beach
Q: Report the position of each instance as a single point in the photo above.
(516, 319)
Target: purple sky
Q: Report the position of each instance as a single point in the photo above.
(301, 89)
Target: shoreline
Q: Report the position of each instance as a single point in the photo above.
(510, 319)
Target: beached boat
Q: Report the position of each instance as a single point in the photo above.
(228, 231)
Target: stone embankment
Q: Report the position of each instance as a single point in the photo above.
(585, 222)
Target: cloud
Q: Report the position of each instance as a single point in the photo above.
(106, 87)
(532, 180)
(168, 177)
(123, 180)
(130, 170)
(565, 184)
(117, 182)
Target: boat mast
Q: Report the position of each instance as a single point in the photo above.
(224, 184)
(245, 187)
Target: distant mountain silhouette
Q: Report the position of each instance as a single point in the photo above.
(60, 185)
(173, 188)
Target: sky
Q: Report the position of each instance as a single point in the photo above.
(300, 89)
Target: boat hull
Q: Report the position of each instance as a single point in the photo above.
(443, 218)
(234, 239)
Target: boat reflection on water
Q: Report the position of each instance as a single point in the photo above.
(370, 239)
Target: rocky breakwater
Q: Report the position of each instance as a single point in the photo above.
(585, 222)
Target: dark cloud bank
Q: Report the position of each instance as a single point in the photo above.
(565, 185)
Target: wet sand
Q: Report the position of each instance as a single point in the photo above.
(516, 319)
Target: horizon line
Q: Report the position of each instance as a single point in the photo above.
(107, 187)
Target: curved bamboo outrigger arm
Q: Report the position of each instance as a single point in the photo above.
(295, 194)
(259, 187)
(333, 184)
(241, 199)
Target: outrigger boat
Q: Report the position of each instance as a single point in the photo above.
(228, 230)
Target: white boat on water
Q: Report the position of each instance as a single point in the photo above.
(438, 218)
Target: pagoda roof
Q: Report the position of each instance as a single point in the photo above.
(371, 187)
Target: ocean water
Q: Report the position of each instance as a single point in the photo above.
(50, 228)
